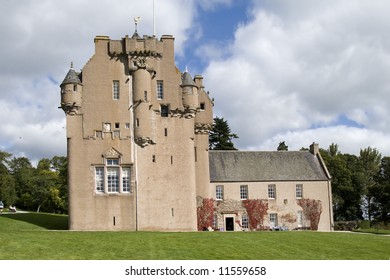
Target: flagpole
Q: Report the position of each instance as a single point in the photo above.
(154, 21)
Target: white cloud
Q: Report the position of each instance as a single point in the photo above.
(40, 38)
(301, 66)
(292, 70)
(349, 139)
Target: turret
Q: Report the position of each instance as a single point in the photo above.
(141, 102)
(71, 92)
(190, 94)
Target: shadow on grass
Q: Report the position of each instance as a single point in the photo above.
(44, 220)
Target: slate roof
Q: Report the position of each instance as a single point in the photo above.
(71, 78)
(251, 166)
(186, 80)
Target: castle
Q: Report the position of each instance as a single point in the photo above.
(138, 150)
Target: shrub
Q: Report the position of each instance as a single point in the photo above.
(346, 225)
(205, 213)
(312, 210)
(256, 210)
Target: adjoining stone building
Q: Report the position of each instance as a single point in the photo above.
(282, 179)
(137, 141)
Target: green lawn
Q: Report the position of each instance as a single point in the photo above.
(34, 236)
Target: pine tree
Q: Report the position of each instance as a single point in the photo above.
(221, 137)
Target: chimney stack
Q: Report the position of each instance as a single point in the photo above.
(314, 149)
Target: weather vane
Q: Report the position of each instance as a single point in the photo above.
(136, 21)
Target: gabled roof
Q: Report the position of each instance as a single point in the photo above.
(251, 166)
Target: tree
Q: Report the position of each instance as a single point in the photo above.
(220, 137)
(380, 193)
(7, 183)
(48, 185)
(43, 188)
(333, 150)
(347, 189)
(282, 146)
(23, 173)
(60, 166)
(370, 159)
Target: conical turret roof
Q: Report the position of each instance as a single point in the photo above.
(72, 77)
(186, 80)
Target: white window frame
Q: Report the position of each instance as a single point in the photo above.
(99, 179)
(215, 221)
(271, 191)
(300, 218)
(113, 178)
(219, 192)
(244, 192)
(115, 90)
(112, 161)
(299, 191)
(245, 221)
(126, 179)
(160, 90)
(273, 219)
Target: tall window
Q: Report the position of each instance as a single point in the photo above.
(126, 179)
(99, 179)
(300, 218)
(245, 221)
(115, 90)
(273, 220)
(160, 90)
(243, 192)
(215, 221)
(299, 191)
(113, 179)
(272, 191)
(219, 192)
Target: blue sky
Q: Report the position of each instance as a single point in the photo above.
(216, 25)
(297, 71)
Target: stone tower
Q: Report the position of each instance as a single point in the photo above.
(137, 134)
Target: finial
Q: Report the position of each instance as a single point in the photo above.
(71, 65)
(136, 21)
(186, 69)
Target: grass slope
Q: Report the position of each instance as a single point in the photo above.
(34, 236)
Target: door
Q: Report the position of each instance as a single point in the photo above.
(229, 224)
